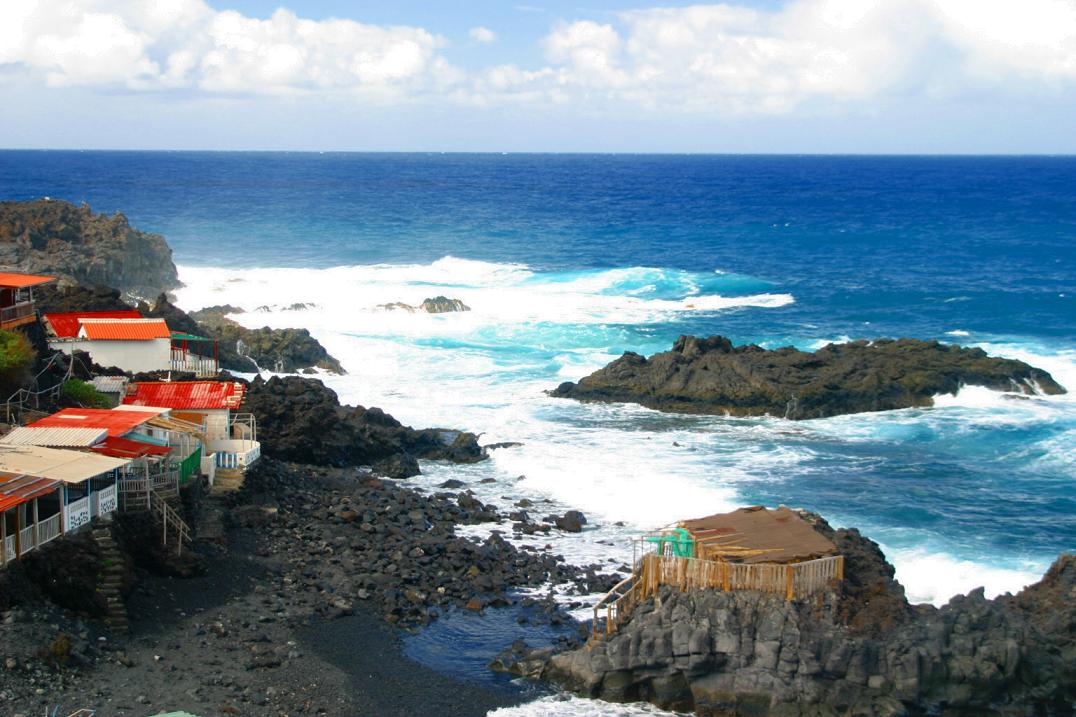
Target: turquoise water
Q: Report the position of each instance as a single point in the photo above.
(567, 261)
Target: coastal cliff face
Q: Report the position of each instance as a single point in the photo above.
(308, 425)
(713, 376)
(857, 650)
(81, 247)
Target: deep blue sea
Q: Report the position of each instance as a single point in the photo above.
(569, 260)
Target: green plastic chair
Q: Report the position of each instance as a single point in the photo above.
(681, 542)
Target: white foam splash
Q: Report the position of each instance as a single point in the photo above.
(933, 577)
(565, 705)
(629, 469)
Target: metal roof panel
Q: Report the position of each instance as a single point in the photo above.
(189, 395)
(55, 436)
(66, 324)
(12, 280)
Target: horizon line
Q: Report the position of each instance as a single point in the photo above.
(543, 152)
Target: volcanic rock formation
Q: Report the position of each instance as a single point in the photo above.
(713, 376)
(60, 239)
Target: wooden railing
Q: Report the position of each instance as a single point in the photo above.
(793, 580)
(616, 607)
(169, 518)
(16, 314)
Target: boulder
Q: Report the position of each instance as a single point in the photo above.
(398, 465)
(713, 376)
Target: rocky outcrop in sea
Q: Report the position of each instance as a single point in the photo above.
(72, 242)
(858, 649)
(308, 425)
(712, 376)
(279, 350)
(436, 305)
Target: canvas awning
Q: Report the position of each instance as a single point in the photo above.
(57, 464)
(758, 535)
(54, 437)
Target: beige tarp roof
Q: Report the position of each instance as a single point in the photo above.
(55, 463)
(778, 536)
(55, 437)
(156, 411)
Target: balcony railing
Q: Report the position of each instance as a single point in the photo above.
(17, 314)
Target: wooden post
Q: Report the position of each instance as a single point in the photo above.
(840, 567)
(37, 526)
(18, 532)
(790, 581)
(725, 567)
(62, 494)
(3, 538)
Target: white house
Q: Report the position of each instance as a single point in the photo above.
(127, 340)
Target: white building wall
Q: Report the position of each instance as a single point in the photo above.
(134, 356)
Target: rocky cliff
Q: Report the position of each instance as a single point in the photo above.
(859, 649)
(713, 376)
(308, 425)
(81, 247)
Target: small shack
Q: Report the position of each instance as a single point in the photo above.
(232, 437)
(775, 551)
(17, 298)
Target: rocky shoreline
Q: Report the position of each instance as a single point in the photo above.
(711, 376)
(857, 649)
(301, 557)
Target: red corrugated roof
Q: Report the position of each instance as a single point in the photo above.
(190, 395)
(15, 489)
(124, 329)
(65, 325)
(117, 422)
(126, 448)
(21, 281)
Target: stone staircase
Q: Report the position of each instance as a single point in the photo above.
(110, 580)
(227, 480)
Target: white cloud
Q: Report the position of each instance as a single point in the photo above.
(483, 35)
(187, 44)
(718, 58)
(734, 58)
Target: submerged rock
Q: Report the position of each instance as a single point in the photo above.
(713, 376)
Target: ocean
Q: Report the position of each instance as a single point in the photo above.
(567, 261)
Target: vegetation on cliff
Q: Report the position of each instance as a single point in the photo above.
(713, 376)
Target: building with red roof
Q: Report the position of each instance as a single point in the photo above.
(66, 325)
(17, 298)
(125, 339)
(231, 436)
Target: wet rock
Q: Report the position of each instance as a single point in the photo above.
(571, 522)
(712, 376)
(400, 465)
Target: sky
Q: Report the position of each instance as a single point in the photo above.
(795, 76)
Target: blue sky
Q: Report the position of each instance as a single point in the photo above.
(905, 76)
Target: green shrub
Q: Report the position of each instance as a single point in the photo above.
(16, 357)
(84, 394)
